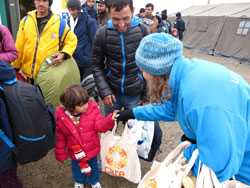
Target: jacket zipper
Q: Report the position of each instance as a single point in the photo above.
(123, 63)
(35, 53)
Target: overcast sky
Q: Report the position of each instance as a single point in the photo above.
(174, 6)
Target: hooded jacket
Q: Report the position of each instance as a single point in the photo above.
(85, 134)
(33, 48)
(212, 106)
(113, 59)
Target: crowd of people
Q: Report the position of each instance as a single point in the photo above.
(135, 60)
(160, 23)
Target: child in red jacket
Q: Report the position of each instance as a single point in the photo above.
(78, 123)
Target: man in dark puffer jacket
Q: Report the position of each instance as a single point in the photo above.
(118, 79)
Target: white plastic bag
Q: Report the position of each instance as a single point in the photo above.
(170, 172)
(143, 133)
(207, 179)
(119, 156)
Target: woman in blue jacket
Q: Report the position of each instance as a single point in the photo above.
(210, 102)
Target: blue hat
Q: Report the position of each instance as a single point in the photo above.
(157, 53)
(6, 72)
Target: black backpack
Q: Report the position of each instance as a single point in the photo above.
(31, 121)
(6, 145)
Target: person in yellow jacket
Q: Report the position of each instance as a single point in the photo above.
(38, 39)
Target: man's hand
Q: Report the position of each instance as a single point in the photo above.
(109, 100)
(57, 58)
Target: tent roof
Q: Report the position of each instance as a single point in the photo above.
(231, 10)
(196, 10)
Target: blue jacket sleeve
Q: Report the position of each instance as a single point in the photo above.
(155, 112)
(221, 139)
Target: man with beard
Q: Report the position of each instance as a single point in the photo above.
(102, 17)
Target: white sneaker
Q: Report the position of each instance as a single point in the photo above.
(78, 185)
(97, 185)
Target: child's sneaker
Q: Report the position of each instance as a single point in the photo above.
(78, 185)
(97, 185)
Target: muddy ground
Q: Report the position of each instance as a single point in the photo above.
(48, 173)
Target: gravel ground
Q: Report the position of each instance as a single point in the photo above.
(48, 173)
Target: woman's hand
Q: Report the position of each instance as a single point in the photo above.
(124, 116)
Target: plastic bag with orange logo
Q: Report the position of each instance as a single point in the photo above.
(119, 156)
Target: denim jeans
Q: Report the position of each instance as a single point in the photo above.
(122, 101)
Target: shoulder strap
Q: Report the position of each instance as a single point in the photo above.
(3, 136)
(25, 18)
(6, 140)
(61, 28)
(61, 31)
(24, 21)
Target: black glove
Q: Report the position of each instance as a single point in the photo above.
(124, 116)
